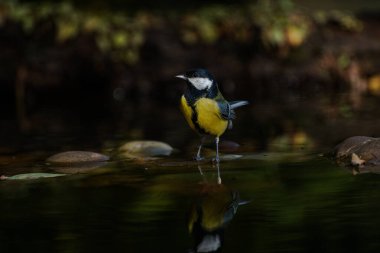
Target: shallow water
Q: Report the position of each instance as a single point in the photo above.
(304, 203)
(298, 199)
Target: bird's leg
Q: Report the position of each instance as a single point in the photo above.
(217, 159)
(201, 172)
(198, 156)
(219, 178)
(217, 149)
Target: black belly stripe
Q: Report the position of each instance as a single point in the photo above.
(194, 119)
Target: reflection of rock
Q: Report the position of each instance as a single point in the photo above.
(78, 168)
(366, 169)
(211, 212)
(142, 149)
(359, 151)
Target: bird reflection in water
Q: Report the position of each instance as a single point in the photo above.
(214, 208)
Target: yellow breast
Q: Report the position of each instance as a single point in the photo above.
(208, 117)
(187, 112)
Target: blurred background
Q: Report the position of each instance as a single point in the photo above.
(91, 75)
(79, 74)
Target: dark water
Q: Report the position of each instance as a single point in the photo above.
(302, 203)
(299, 200)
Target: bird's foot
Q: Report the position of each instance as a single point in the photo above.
(199, 158)
(216, 160)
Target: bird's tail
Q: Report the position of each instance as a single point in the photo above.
(236, 104)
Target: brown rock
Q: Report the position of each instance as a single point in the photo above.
(74, 157)
(351, 145)
(361, 152)
(140, 149)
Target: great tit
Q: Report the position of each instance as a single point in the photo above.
(204, 107)
(212, 211)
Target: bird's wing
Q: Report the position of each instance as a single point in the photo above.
(232, 207)
(226, 110)
(236, 104)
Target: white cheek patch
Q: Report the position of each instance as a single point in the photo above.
(200, 83)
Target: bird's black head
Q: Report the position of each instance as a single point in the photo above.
(201, 73)
(200, 79)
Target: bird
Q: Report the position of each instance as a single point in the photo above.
(205, 109)
(213, 209)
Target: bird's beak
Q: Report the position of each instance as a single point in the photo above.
(181, 77)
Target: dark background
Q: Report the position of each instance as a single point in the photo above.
(66, 77)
